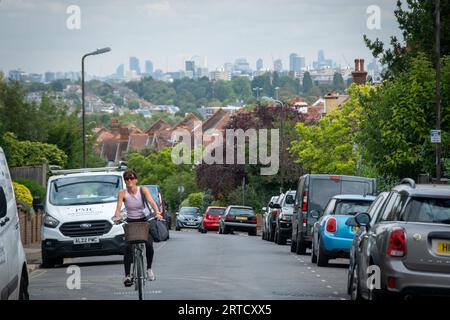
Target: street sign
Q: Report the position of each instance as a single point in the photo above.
(435, 136)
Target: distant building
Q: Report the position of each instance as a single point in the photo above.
(36, 77)
(134, 65)
(220, 75)
(242, 65)
(149, 67)
(259, 64)
(278, 65)
(228, 67)
(321, 62)
(120, 71)
(50, 77)
(294, 62)
(190, 66)
(16, 75)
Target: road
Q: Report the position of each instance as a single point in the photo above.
(192, 266)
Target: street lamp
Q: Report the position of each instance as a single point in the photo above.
(94, 53)
(281, 136)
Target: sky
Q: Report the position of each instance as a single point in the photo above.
(35, 38)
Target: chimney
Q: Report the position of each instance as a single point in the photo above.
(359, 75)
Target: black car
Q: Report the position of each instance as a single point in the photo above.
(238, 218)
(313, 193)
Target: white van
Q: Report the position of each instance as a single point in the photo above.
(79, 211)
(13, 265)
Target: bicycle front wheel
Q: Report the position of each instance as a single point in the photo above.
(140, 276)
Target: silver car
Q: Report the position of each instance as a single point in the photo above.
(265, 226)
(404, 250)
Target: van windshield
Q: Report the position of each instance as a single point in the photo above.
(85, 190)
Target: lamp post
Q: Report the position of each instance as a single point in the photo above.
(83, 110)
(281, 139)
(438, 88)
(257, 89)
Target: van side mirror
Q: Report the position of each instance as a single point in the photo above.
(176, 213)
(264, 210)
(315, 214)
(37, 204)
(362, 219)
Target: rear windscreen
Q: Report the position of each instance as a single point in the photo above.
(351, 207)
(241, 212)
(321, 190)
(428, 210)
(216, 211)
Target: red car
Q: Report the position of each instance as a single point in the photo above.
(211, 219)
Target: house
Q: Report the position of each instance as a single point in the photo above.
(218, 121)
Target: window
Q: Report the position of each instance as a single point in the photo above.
(391, 207)
(351, 207)
(428, 210)
(375, 207)
(330, 207)
(241, 212)
(3, 203)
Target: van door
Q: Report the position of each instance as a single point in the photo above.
(297, 212)
(9, 239)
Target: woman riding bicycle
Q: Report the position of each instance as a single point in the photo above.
(132, 199)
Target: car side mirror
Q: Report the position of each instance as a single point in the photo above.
(264, 210)
(362, 219)
(276, 206)
(37, 204)
(315, 214)
(176, 213)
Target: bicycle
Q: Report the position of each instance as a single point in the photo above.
(137, 234)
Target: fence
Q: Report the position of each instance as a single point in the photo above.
(36, 173)
(30, 227)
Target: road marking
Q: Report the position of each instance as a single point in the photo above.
(309, 268)
(323, 280)
(38, 274)
(161, 246)
(329, 287)
(318, 275)
(343, 299)
(336, 293)
(313, 271)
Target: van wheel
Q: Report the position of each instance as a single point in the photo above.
(300, 247)
(51, 262)
(293, 246)
(23, 289)
(313, 253)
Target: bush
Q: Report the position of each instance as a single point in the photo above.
(35, 188)
(23, 197)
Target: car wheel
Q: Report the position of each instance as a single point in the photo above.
(300, 247)
(355, 294)
(252, 233)
(322, 258)
(313, 253)
(48, 262)
(177, 228)
(293, 246)
(275, 237)
(226, 230)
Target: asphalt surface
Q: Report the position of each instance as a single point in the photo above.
(193, 266)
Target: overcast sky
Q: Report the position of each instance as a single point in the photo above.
(35, 38)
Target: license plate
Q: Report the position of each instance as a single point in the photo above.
(86, 240)
(443, 247)
(241, 218)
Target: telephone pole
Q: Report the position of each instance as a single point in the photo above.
(438, 87)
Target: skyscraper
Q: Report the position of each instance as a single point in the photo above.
(120, 72)
(278, 65)
(148, 67)
(294, 62)
(134, 65)
(190, 65)
(259, 64)
(242, 65)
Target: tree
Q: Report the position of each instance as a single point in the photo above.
(307, 82)
(338, 81)
(134, 105)
(417, 24)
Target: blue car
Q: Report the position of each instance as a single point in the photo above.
(331, 237)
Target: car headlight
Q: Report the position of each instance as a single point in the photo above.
(50, 222)
(286, 218)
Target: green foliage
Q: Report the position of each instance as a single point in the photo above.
(35, 188)
(307, 83)
(23, 194)
(27, 153)
(247, 197)
(196, 200)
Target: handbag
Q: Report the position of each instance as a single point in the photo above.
(158, 229)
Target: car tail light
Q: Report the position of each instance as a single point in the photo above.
(276, 212)
(391, 282)
(331, 225)
(305, 222)
(252, 219)
(305, 202)
(335, 178)
(397, 243)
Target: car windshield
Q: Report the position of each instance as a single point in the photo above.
(190, 212)
(428, 210)
(351, 207)
(85, 190)
(241, 212)
(216, 211)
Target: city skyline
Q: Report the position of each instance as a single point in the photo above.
(168, 31)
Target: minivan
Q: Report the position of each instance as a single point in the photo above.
(79, 210)
(313, 193)
(13, 265)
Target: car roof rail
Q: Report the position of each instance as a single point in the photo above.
(55, 170)
(409, 181)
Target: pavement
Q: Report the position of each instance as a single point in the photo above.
(195, 266)
(33, 254)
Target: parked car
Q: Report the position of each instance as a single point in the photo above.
(313, 193)
(409, 241)
(331, 237)
(211, 219)
(283, 222)
(374, 210)
(273, 215)
(188, 218)
(238, 218)
(265, 218)
(157, 196)
(13, 264)
(79, 210)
